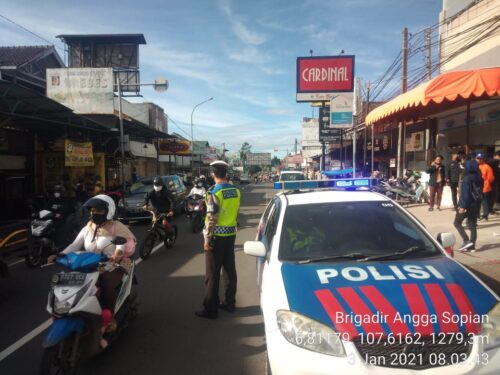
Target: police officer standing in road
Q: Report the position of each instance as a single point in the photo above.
(223, 203)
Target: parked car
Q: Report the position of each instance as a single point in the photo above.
(244, 179)
(329, 262)
(130, 207)
(15, 241)
(292, 176)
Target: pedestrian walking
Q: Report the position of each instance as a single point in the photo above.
(469, 205)
(495, 165)
(436, 182)
(488, 179)
(453, 174)
(223, 203)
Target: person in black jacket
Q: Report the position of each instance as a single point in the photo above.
(469, 205)
(161, 201)
(453, 173)
(436, 182)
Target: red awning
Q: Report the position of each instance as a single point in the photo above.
(448, 86)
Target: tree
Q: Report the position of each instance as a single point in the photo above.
(254, 169)
(244, 150)
(275, 161)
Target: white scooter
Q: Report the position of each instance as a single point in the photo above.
(75, 334)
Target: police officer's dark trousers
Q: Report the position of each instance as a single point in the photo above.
(222, 255)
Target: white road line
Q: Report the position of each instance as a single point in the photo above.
(42, 327)
(25, 339)
(14, 263)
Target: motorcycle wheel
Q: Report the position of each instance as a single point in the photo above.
(52, 364)
(35, 256)
(147, 245)
(196, 222)
(171, 238)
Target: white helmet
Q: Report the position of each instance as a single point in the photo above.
(102, 202)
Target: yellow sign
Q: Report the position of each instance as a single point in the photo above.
(78, 154)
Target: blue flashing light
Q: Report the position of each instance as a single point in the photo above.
(342, 183)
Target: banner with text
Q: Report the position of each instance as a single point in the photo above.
(341, 110)
(78, 154)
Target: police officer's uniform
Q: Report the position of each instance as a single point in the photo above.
(223, 203)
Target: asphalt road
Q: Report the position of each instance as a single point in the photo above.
(166, 337)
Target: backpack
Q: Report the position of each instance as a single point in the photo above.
(476, 192)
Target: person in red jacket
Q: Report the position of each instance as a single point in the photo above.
(488, 178)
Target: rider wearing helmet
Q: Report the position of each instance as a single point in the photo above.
(96, 237)
(198, 188)
(161, 201)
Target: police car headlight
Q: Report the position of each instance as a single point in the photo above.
(309, 334)
(491, 329)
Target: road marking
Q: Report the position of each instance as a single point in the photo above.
(25, 339)
(14, 263)
(42, 327)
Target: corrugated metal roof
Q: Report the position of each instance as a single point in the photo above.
(103, 38)
(17, 56)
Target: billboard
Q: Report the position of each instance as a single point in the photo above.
(84, 90)
(341, 110)
(174, 147)
(320, 76)
(327, 133)
(258, 158)
(78, 154)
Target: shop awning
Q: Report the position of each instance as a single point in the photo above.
(447, 87)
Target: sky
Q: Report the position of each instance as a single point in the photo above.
(240, 52)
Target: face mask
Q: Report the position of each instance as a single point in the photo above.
(57, 195)
(98, 218)
(157, 188)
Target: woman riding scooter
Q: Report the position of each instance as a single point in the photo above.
(96, 237)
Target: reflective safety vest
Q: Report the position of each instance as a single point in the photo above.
(227, 210)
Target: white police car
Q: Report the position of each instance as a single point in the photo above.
(351, 283)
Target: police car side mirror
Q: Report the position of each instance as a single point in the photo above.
(254, 248)
(447, 240)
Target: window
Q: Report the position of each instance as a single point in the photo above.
(331, 229)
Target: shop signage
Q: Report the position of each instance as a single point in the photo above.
(415, 142)
(320, 76)
(84, 90)
(392, 163)
(326, 133)
(78, 154)
(341, 110)
(175, 147)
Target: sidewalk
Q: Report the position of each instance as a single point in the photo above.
(485, 262)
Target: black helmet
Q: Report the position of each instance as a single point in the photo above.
(158, 181)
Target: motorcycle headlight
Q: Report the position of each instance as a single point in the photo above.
(61, 307)
(309, 334)
(491, 328)
(197, 208)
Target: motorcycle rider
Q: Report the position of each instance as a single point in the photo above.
(161, 202)
(96, 237)
(198, 188)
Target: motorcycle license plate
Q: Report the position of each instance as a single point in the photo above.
(71, 279)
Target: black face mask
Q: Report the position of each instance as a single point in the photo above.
(98, 218)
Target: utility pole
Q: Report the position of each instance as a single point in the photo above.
(428, 54)
(404, 88)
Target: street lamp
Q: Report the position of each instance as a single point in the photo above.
(192, 140)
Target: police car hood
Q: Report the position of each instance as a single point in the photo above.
(422, 296)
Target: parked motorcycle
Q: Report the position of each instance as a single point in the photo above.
(76, 332)
(196, 210)
(43, 234)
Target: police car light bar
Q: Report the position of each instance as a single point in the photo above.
(340, 183)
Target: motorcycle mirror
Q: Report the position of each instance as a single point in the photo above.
(119, 241)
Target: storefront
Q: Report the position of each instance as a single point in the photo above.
(454, 112)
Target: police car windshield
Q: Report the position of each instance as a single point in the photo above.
(335, 231)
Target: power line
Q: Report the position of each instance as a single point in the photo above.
(31, 32)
